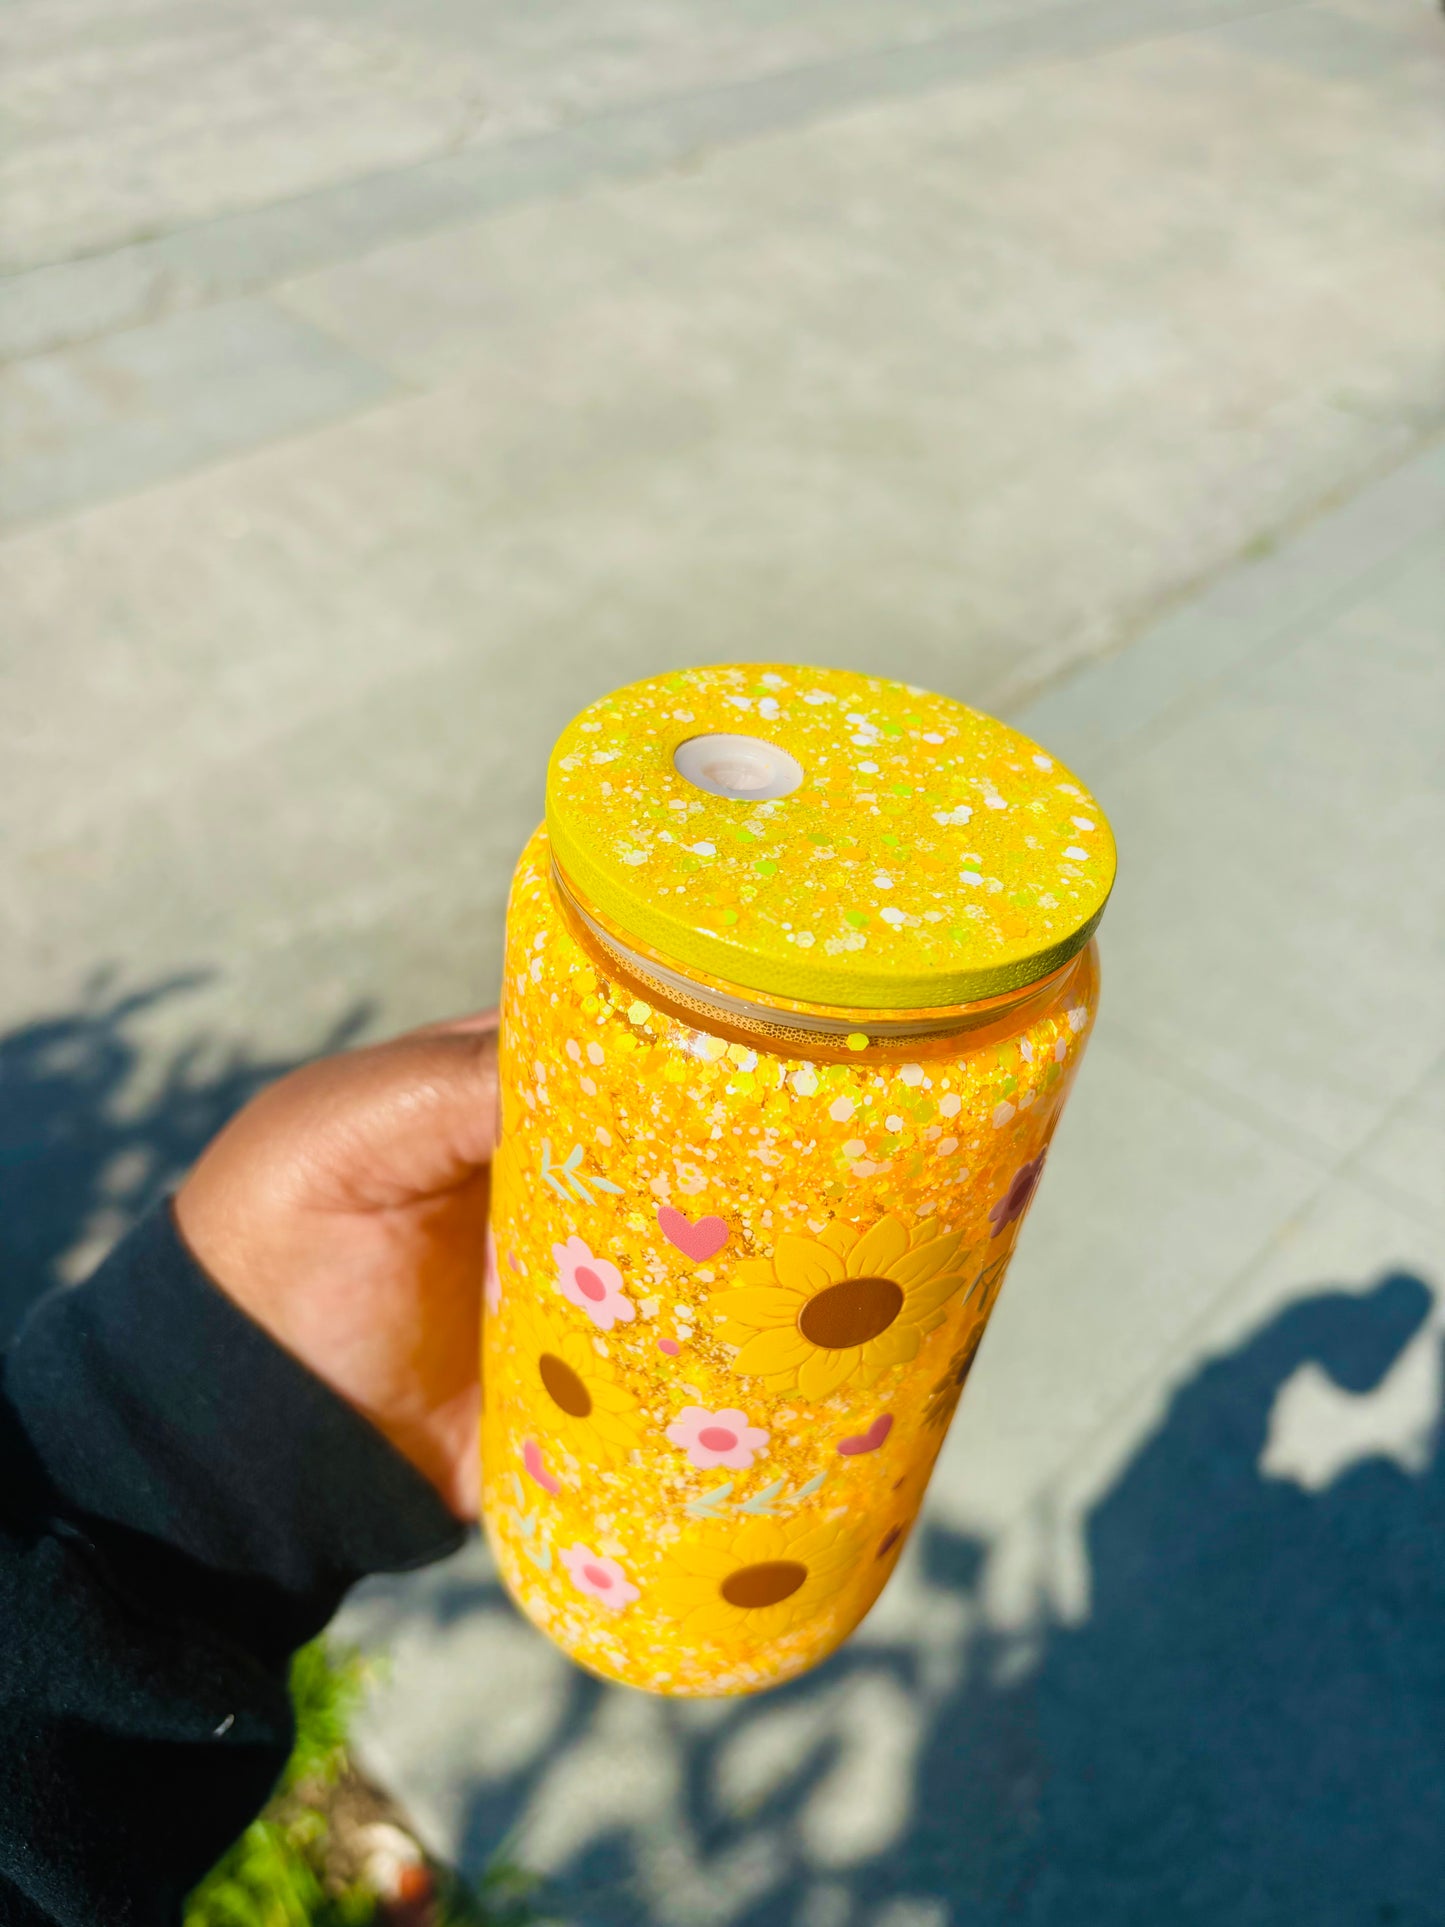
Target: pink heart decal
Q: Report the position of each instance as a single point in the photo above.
(537, 1467)
(699, 1241)
(870, 1440)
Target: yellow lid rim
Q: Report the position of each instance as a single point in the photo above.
(920, 765)
(692, 947)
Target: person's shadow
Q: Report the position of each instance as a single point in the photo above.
(83, 1150)
(1249, 1728)
(1247, 1731)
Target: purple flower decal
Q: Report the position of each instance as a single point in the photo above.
(1015, 1201)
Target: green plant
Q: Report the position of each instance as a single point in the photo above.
(282, 1870)
(274, 1875)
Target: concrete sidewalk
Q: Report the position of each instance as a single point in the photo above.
(1168, 1648)
(384, 379)
(960, 337)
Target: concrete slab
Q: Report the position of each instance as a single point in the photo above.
(1405, 1158)
(1277, 917)
(332, 132)
(129, 411)
(1262, 606)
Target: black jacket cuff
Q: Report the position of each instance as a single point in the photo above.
(160, 1412)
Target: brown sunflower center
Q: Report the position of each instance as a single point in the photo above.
(563, 1386)
(850, 1313)
(767, 1584)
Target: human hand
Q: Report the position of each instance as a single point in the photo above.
(344, 1210)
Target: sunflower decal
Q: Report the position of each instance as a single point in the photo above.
(766, 1578)
(939, 1406)
(842, 1307)
(575, 1393)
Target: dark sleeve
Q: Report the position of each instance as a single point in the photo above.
(182, 1504)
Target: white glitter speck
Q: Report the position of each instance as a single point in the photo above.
(841, 1109)
(882, 881)
(1076, 855)
(949, 1105)
(854, 1148)
(912, 1074)
(1002, 1115)
(1082, 822)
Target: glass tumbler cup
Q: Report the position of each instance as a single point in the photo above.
(798, 976)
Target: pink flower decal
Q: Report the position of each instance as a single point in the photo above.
(717, 1438)
(491, 1277)
(537, 1467)
(593, 1285)
(599, 1578)
(1015, 1201)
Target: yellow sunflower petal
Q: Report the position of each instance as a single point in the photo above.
(709, 1621)
(804, 1265)
(925, 1298)
(826, 1549)
(760, 1540)
(706, 1561)
(878, 1250)
(925, 1261)
(839, 1237)
(613, 1431)
(823, 1372)
(608, 1397)
(578, 1352)
(893, 1347)
(754, 1271)
(772, 1351)
(759, 1306)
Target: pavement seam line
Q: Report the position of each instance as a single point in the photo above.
(166, 292)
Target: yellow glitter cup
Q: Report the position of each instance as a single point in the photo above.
(798, 975)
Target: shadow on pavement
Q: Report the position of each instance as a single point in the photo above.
(1247, 1731)
(83, 1151)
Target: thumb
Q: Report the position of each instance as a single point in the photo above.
(370, 1130)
